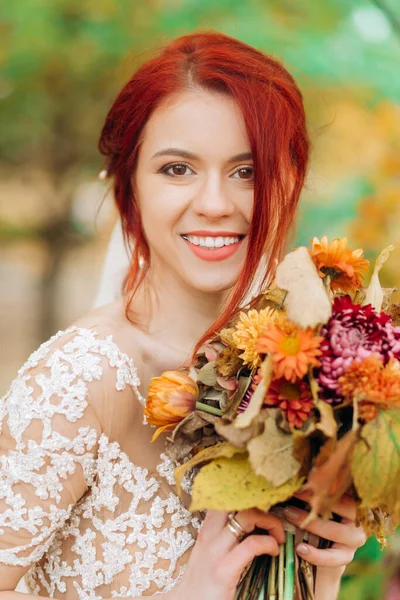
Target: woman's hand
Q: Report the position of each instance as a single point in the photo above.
(346, 538)
(219, 556)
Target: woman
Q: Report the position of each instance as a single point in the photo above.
(207, 149)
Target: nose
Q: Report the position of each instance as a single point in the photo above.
(212, 199)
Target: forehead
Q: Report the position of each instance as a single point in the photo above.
(198, 120)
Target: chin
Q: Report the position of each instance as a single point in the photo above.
(212, 285)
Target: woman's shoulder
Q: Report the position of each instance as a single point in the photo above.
(91, 351)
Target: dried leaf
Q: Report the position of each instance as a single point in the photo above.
(394, 312)
(188, 435)
(307, 302)
(375, 523)
(231, 484)
(239, 437)
(376, 464)
(225, 449)
(271, 453)
(237, 397)
(256, 401)
(327, 423)
(208, 374)
(330, 480)
(374, 294)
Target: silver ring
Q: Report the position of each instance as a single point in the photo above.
(235, 527)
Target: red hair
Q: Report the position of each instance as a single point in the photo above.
(273, 111)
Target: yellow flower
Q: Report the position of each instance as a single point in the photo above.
(343, 265)
(251, 326)
(171, 397)
(375, 385)
(293, 349)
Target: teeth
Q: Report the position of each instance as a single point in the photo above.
(211, 242)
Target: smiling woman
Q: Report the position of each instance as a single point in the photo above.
(207, 149)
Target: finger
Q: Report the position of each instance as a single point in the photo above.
(337, 556)
(254, 545)
(341, 533)
(248, 521)
(213, 525)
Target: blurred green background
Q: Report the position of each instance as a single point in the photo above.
(63, 61)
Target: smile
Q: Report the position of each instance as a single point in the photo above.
(214, 247)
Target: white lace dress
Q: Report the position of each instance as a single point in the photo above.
(86, 501)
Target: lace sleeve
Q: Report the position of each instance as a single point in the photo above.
(49, 432)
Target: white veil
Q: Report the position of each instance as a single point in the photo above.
(115, 267)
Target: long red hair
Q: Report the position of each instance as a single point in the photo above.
(273, 111)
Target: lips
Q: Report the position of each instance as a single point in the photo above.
(213, 245)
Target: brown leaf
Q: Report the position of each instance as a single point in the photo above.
(375, 523)
(208, 374)
(239, 437)
(327, 423)
(237, 397)
(329, 481)
(271, 453)
(256, 401)
(188, 435)
(394, 312)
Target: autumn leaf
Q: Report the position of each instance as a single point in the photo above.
(231, 484)
(224, 449)
(374, 293)
(237, 397)
(375, 523)
(208, 374)
(256, 401)
(327, 423)
(271, 453)
(329, 480)
(307, 302)
(240, 437)
(376, 464)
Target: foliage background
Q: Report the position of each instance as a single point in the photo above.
(61, 64)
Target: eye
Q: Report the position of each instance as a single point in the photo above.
(176, 169)
(244, 173)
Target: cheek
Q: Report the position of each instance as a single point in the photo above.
(161, 207)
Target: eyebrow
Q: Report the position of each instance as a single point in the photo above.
(186, 154)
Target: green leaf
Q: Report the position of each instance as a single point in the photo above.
(231, 484)
(376, 464)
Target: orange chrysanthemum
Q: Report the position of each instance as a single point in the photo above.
(250, 327)
(374, 384)
(343, 265)
(171, 397)
(293, 349)
(294, 399)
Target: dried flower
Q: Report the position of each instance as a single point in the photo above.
(343, 265)
(373, 383)
(293, 349)
(251, 326)
(294, 399)
(171, 397)
(228, 362)
(353, 332)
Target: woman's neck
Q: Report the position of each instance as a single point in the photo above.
(173, 314)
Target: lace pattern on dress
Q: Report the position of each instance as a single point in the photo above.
(68, 371)
(161, 532)
(129, 530)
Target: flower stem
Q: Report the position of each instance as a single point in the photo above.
(208, 409)
(289, 570)
(272, 579)
(281, 571)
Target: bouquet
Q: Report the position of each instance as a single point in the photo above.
(300, 392)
